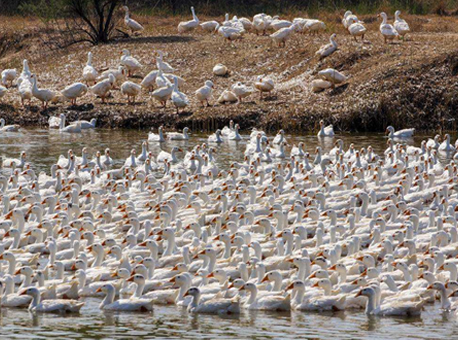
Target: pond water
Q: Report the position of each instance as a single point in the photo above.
(43, 147)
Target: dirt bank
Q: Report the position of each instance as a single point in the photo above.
(412, 83)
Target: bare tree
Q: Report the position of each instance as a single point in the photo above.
(75, 21)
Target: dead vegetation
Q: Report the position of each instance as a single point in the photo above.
(412, 83)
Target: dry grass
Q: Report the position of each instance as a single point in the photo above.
(392, 83)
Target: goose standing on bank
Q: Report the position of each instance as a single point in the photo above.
(8, 75)
(241, 90)
(163, 94)
(205, 92)
(25, 89)
(131, 23)
(132, 64)
(131, 90)
(388, 31)
(102, 88)
(349, 19)
(90, 74)
(119, 73)
(357, 29)
(44, 95)
(284, 34)
(264, 84)
(186, 26)
(179, 99)
(161, 64)
(74, 91)
(401, 26)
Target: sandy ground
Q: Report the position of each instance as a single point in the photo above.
(406, 83)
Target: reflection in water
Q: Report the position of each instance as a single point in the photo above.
(44, 147)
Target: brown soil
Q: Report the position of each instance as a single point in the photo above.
(407, 83)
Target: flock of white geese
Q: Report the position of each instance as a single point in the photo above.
(344, 230)
(163, 85)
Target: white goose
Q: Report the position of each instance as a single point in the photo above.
(131, 90)
(159, 137)
(332, 76)
(283, 34)
(74, 91)
(133, 25)
(179, 136)
(8, 128)
(44, 95)
(102, 88)
(328, 49)
(25, 89)
(212, 306)
(162, 65)
(401, 26)
(119, 73)
(179, 99)
(357, 29)
(205, 92)
(50, 306)
(186, 26)
(241, 90)
(209, 26)
(264, 84)
(318, 85)
(406, 133)
(349, 19)
(72, 128)
(132, 65)
(325, 131)
(216, 137)
(134, 304)
(396, 308)
(88, 124)
(89, 72)
(446, 146)
(227, 97)
(163, 94)
(388, 31)
(8, 75)
(220, 70)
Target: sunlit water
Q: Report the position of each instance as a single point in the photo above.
(43, 147)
